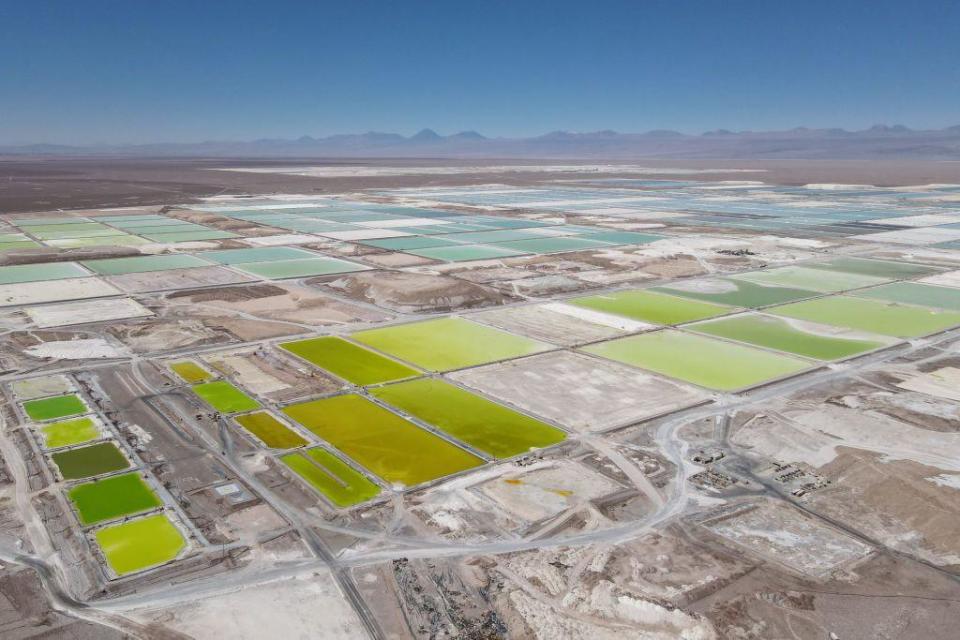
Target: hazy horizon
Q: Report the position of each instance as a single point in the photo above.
(107, 73)
(492, 137)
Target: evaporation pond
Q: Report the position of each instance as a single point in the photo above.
(877, 316)
(258, 254)
(464, 252)
(738, 293)
(821, 280)
(554, 245)
(649, 306)
(112, 498)
(448, 343)
(391, 447)
(144, 264)
(270, 431)
(817, 341)
(349, 361)
(39, 272)
(224, 397)
(140, 544)
(69, 432)
(924, 295)
(487, 426)
(280, 269)
(710, 363)
(93, 460)
(878, 268)
(331, 476)
(191, 372)
(55, 407)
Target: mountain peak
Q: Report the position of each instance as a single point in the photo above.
(468, 135)
(885, 128)
(425, 135)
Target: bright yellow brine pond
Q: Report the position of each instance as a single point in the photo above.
(395, 449)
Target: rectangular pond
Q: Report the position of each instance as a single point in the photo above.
(448, 343)
(191, 372)
(924, 295)
(650, 306)
(797, 337)
(879, 268)
(15, 274)
(714, 364)
(737, 293)
(384, 443)
(257, 254)
(144, 264)
(465, 252)
(280, 269)
(92, 460)
(112, 498)
(271, 431)
(70, 432)
(340, 483)
(349, 361)
(140, 544)
(822, 280)
(224, 397)
(498, 431)
(69, 404)
(877, 316)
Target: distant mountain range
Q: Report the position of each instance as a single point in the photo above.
(881, 141)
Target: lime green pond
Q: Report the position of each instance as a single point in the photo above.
(878, 316)
(710, 363)
(487, 426)
(925, 295)
(879, 268)
(144, 264)
(56, 407)
(68, 432)
(270, 431)
(112, 498)
(448, 343)
(332, 477)
(351, 362)
(191, 372)
(738, 293)
(821, 280)
(782, 335)
(393, 448)
(84, 462)
(140, 544)
(649, 306)
(224, 397)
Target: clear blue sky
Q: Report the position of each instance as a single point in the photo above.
(137, 71)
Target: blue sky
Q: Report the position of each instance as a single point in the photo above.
(120, 72)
